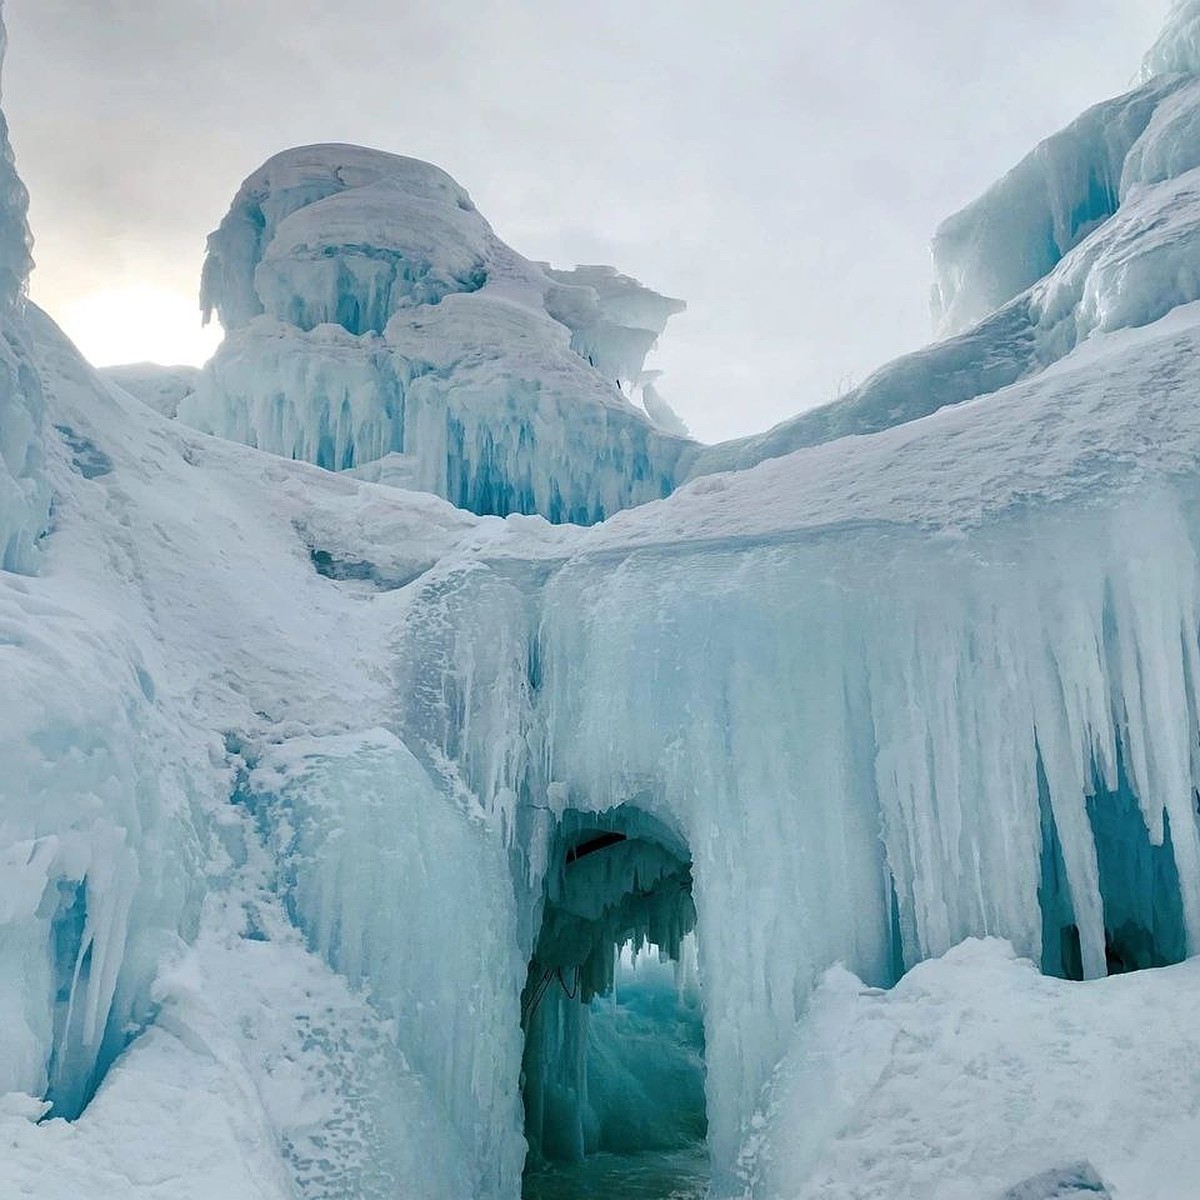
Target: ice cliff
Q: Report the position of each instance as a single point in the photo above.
(373, 316)
(326, 806)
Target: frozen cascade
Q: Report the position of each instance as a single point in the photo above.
(297, 771)
(371, 312)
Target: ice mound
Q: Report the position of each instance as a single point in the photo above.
(371, 311)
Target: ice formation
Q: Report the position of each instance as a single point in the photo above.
(24, 497)
(1094, 231)
(327, 807)
(372, 312)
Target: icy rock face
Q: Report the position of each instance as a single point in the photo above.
(372, 311)
(24, 493)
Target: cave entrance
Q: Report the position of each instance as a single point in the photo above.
(613, 1068)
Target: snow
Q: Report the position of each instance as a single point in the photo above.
(976, 1076)
(371, 311)
(161, 388)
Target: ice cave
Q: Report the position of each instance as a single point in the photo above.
(613, 1059)
(426, 771)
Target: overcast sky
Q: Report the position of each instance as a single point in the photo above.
(779, 166)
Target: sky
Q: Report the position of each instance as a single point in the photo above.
(780, 166)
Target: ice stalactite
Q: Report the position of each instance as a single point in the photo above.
(1013, 714)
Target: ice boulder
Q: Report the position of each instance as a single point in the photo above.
(371, 311)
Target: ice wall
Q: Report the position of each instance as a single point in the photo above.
(1045, 206)
(371, 311)
(408, 898)
(24, 493)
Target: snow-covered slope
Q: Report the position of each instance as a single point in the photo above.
(371, 311)
(977, 1077)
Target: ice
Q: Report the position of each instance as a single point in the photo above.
(371, 311)
(1020, 229)
(24, 495)
(1177, 49)
(404, 894)
(326, 806)
(1092, 232)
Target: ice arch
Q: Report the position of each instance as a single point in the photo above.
(614, 878)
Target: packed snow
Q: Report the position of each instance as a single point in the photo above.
(331, 812)
(976, 1076)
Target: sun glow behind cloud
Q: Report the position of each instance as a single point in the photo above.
(138, 323)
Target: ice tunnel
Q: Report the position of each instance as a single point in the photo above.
(611, 1009)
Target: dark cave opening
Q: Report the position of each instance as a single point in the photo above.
(613, 1069)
